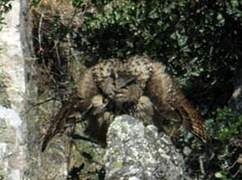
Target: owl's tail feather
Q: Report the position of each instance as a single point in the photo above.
(193, 121)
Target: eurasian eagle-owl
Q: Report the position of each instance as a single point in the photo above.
(136, 86)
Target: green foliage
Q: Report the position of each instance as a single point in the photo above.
(5, 6)
(199, 41)
(225, 125)
(35, 2)
(222, 175)
(193, 37)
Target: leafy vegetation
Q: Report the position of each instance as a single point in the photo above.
(226, 124)
(225, 128)
(5, 6)
(198, 40)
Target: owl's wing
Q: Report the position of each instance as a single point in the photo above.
(86, 89)
(167, 96)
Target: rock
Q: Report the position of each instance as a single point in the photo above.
(136, 152)
(12, 147)
(235, 101)
(4, 98)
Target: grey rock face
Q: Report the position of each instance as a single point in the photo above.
(236, 99)
(12, 148)
(136, 152)
(4, 98)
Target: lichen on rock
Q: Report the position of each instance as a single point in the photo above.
(12, 158)
(138, 152)
(4, 98)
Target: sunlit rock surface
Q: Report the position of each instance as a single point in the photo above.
(12, 61)
(137, 152)
(133, 152)
(236, 99)
(12, 149)
(12, 74)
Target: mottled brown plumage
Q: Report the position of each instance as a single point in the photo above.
(87, 88)
(136, 86)
(109, 74)
(144, 110)
(82, 101)
(168, 98)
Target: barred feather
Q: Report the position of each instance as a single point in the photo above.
(168, 97)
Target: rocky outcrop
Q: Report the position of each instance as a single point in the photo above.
(12, 74)
(12, 148)
(236, 99)
(137, 152)
(133, 152)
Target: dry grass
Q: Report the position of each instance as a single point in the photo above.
(53, 7)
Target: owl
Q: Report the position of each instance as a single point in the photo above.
(136, 86)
